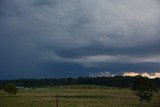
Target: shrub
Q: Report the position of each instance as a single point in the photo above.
(10, 89)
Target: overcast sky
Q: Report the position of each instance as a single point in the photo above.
(71, 38)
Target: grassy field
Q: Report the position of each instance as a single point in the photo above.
(75, 96)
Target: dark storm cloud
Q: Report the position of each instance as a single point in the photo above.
(87, 34)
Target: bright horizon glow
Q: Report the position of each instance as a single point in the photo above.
(144, 74)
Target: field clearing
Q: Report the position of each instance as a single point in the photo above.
(75, 96)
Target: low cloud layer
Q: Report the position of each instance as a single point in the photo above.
(101, 74)
(38, 38)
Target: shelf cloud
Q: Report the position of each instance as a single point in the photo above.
(56, 37)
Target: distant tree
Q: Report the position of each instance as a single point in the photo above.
(10, 88)
(143, 89)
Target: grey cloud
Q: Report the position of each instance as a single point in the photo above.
(44, 2)
(75, 31)
(85, 23)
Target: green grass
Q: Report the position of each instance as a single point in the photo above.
(75, 96)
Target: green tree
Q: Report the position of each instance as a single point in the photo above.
(10, 88)
(143, 88)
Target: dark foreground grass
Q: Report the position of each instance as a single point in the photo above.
(75, 96)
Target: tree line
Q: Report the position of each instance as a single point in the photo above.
(116, 81)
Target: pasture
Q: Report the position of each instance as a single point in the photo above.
(75, 96)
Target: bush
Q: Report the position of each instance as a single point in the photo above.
(10, 89)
